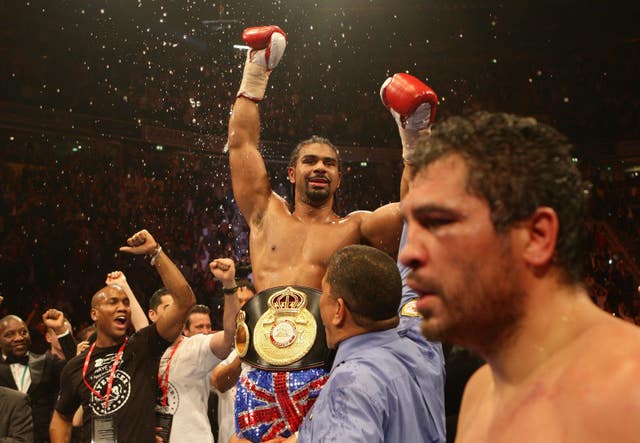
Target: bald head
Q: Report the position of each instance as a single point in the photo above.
(4, 321)
(100, 296)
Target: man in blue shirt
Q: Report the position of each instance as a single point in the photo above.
(386, 383)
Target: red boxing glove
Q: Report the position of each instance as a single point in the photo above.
(413, 105)
(268, 44)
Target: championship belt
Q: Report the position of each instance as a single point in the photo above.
(280, 329)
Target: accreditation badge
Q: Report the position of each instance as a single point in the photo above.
(287, 331)
(103, 429)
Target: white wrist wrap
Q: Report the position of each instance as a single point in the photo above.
(412, 127)
(254, 80)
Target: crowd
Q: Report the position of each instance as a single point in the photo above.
(63, 214)
(61, 217)
(183, 86)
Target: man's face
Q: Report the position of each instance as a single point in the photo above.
(465, 273)
(328, 306)
(316, 175)
(111, 312)
(14, 337)
(165, 301)
(199, 323)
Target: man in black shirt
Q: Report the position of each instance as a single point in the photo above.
(115, 380)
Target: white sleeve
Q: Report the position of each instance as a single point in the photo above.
(196, 351)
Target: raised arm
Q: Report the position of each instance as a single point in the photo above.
(249, 177)
(224, 270)
(413, 106)
(382, 228)
(55, 321)
(171, 322)
(138, 319)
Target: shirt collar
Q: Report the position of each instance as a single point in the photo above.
(369, 339)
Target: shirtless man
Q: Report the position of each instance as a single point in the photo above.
(293, 248)
(495, 242)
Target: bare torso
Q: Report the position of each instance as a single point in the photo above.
(584, 393)
(287, 250)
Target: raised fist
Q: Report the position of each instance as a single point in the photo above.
(54, 319)
(224, 269)
(267, 47)
(412, 104)
(140, 243)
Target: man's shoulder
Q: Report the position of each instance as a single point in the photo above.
(38, 357)
(193, 343)
(8, 394)
(612, 354)
(357, 216)
(76, 362)
(608, 346)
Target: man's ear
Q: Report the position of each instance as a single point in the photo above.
(94, 314)
(541, 237)
(291, 174)
(340, 314)
(153, 316)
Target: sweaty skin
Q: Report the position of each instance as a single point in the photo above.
(293, 248)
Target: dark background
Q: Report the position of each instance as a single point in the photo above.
(571, 63)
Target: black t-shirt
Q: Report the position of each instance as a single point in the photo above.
(133, 391)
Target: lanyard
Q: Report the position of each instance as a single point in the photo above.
(24, 373)
(163, 379)
(114, 366)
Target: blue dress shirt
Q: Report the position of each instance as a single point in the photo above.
(383, 387)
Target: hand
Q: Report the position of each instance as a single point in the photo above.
(224, 269)
(80, 347)
(54, 319)
(116, 278)
(157, 437)
(140, 243)
(268, 44)
(413, 106)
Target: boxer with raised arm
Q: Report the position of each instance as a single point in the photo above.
(289, 249)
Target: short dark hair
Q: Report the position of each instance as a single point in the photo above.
(196, 309)
(368, 281)
(517, 165)
(245, 283)
(156, 298)
(293, 159)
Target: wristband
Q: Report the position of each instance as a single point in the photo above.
(228, 291)
(63, 334)
(154, 257)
